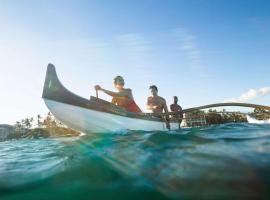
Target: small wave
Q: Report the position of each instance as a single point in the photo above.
(252, 120)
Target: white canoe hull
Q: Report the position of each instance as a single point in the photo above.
(91, 121)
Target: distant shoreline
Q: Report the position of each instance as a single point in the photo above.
(9, 132)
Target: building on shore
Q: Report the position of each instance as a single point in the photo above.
(5, 130)
(191, 120)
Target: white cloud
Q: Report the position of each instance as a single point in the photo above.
(250, 95)
(265, 90)
(189, 44)
(135, 49)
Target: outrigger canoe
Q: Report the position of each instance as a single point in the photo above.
(96, 115)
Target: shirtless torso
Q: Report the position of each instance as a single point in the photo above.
(122, 101)
(157, 104)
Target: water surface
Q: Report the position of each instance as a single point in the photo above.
(215, 162)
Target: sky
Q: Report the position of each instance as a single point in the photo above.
(203, 51)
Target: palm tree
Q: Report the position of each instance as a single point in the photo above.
(18, 126)
(27, 122)
(39, 123)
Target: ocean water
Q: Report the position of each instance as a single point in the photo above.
(230, 161)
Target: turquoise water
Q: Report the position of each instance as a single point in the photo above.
(216, 162)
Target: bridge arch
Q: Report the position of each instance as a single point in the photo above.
(247, 105)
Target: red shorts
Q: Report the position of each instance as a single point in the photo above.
(133, 107)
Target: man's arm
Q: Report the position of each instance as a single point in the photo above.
(180, 109)
(115, 94)
(165, 107)
(171, 107)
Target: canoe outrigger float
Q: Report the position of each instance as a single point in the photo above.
(97, 115)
